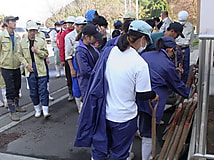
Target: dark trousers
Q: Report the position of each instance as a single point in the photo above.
(12, 78)
(186, 63)
(68, 77)
(120, 138)
(145, 125)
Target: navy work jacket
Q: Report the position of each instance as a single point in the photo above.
(85, 63)
(163, 75)
(92, 121)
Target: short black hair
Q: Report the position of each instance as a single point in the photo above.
(151, 22)
(156, 19)
(100, 20)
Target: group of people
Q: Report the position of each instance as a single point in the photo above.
(135, 68)
(113, 80)
(31, 52)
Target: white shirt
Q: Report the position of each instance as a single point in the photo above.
(188, 34)
(53, 35)
(70, 44)
(126, 73)
(165, 25)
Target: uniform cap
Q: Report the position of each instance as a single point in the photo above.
(10, 18)
(129, 14)
(177, 27)
(169, 42)
(62, 22)
(141, 26)
(80, 20)
(57, 24)
(70, 19)
(117, 24)
(183, 15)
(31, 25)
(90, 29)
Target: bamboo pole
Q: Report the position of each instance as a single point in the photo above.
(186, 127)
(180, 129)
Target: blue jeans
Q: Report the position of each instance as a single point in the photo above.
(38, 88)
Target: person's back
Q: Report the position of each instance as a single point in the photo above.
(130, 64)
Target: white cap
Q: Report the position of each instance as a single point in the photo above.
(80, 20)
(38, 21)
(183, 15)
(70, 19)
(31, 25)
(142, 27)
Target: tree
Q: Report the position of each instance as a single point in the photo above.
(151, 9)
(110, 9)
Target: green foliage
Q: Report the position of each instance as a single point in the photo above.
(195, 42)
(151, 8)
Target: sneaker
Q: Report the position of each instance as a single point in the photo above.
(70, 98)
(58, 75)
(1, 104)
(5, 105)
(131, 156)
(51, 98)
(20, 109)
(14, 116)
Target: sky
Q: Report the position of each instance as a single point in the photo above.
(31, 9)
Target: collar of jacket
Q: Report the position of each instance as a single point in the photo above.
(6, 34)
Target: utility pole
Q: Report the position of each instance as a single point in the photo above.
(125, 5)
(136, 9)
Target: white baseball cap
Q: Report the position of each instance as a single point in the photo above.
(141, 26)
(80, 20)
(70, 19)
(31, 25)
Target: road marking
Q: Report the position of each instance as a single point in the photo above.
(30, 104)
(30, 114)
(17, 157)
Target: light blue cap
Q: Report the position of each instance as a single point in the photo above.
(141, 26)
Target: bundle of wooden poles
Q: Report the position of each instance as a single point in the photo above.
(181, 122)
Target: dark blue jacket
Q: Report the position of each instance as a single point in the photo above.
(163, 76)
(92, 120)
(110, 43)
(85, 64)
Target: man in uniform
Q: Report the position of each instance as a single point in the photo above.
(9, 46)
(184, 43)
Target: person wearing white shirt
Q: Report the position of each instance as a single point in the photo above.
(185, 43)
(166, 21)
(53, 35)
(70, 45)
